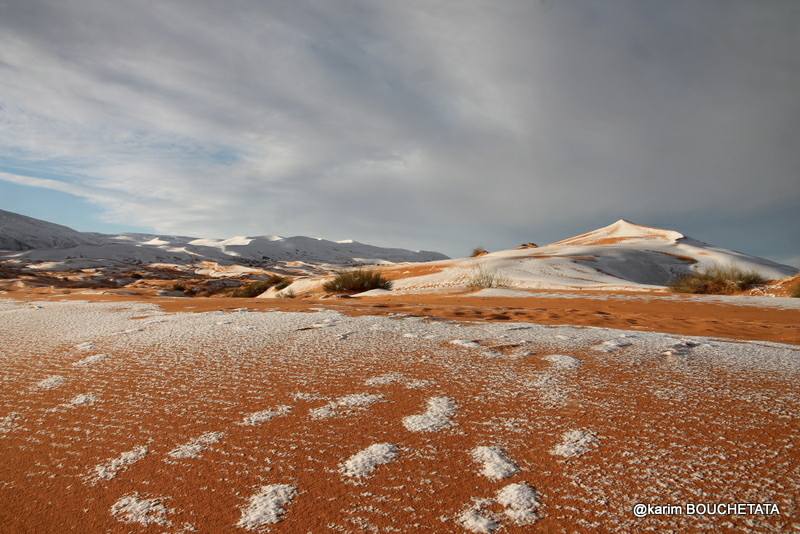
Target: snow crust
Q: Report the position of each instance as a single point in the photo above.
(437, 416)
(495, 462)
(363, 463)
(267, 507)
(193, 448)
(111, 468)
(256, 418)
(345, 405)
(521, 502)
(575, 443)
(134, 509)
(51, 382)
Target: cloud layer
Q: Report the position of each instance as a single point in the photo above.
(438, 125)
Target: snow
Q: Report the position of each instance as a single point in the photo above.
(437, 416)
(111, 468)
(263, 416)
(364, 462)
(133, 509)
(495, 462)
(465, 343)
(475, 519)
(562, 361)
(396, 378)
(51, 382)
(84, 399)
(9, 422)
(89, 360)
(521, 502)
(612, 345)
(575, 443)
(374, 293)
(345, 405)
(267, 507)
(35, 241)
(193, 448)
(501, 292)
(620, 256)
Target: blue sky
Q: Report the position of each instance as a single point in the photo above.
(424, 125)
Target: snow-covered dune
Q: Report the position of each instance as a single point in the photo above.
(29, 241)
(622, 255)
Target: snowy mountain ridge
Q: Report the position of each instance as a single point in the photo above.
(28, 240)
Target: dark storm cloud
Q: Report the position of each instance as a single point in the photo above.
(426, 124)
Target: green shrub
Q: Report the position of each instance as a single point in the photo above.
(717, 280)
(254, 289)
(357, 280)
(483, 278)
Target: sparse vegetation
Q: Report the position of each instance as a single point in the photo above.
(478, 251)
(254, 289)
(483, 278)
(357, 280)
(288, 294)
(177, 286)
(717, 281)
(796, 291)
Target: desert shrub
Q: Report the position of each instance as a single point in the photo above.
(717, 280)
(289, 294)
(478, 251)
(357, 280)
(795, 291)
(483, 278)
(254, 289)
(177, 286)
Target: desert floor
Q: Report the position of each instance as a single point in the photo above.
(406, 414)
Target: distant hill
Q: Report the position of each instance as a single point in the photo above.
(30, 240)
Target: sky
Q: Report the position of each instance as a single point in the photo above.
(438, 125)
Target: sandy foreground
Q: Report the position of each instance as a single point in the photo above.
(127, 416)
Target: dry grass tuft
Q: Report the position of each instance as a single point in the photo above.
(357, 280)
(717, 281)
(254, 289)
(483, 278)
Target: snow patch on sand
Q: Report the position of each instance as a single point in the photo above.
(345, 405)
(84, 399)
(111, 468)
(193, 448)
(267, 507)
(477, 519)
(465, 343)
(256, 418)
(613, 345)
(495, 462)
(396, 378)
(436, 417)
(51, 382)
(521, 502)
(363, 463)
(89, 360)
(132, 509)
(575, 443)
(9, 422)
(562, 361)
